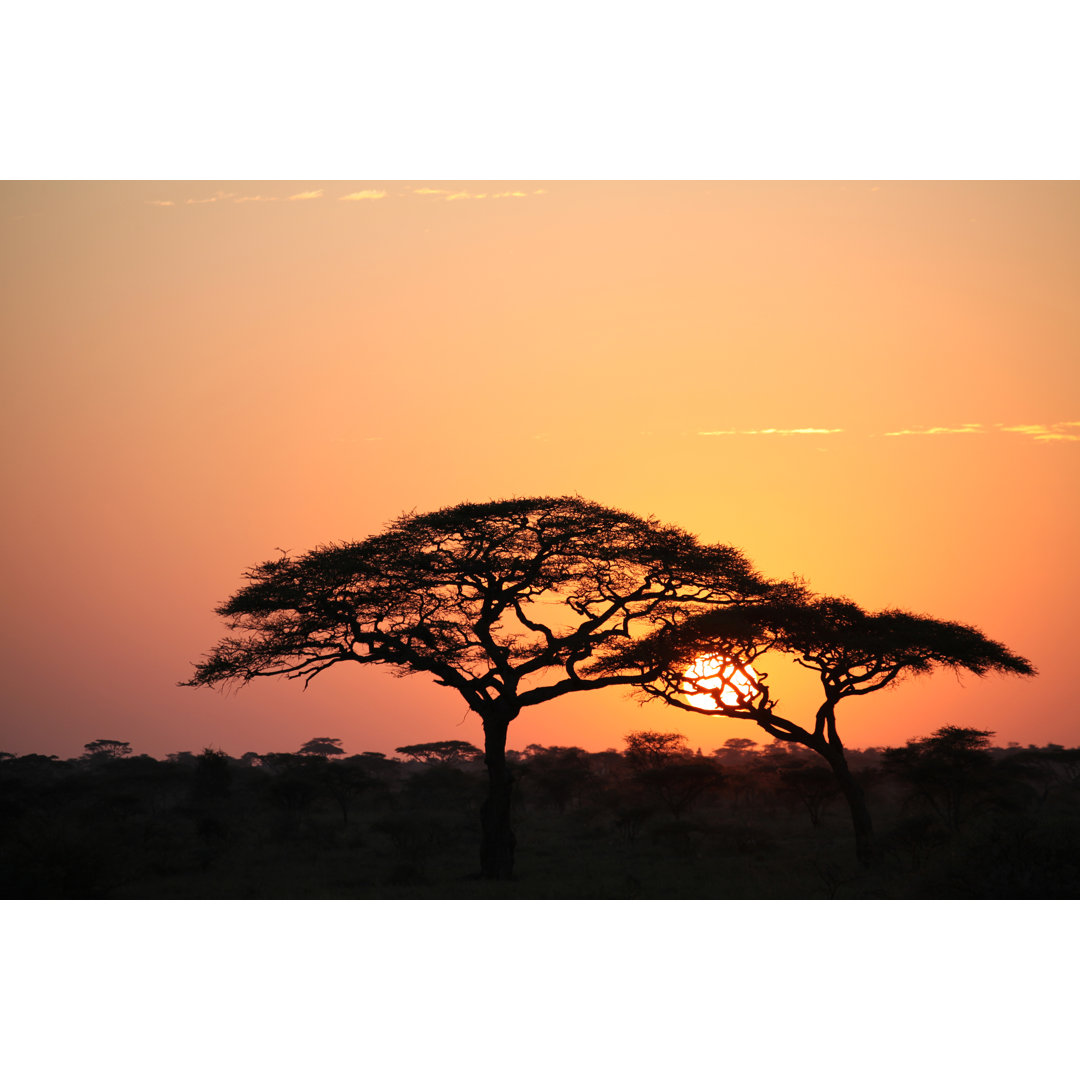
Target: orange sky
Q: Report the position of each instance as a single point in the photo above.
(198, 373)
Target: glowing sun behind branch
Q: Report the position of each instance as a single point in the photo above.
(738, 685)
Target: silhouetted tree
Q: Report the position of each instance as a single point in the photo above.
(1046, 769)
(213, 777)
(852, 651)
(662, 762)
(448, 752)
(344, 782)
(557, 772)
(814, 786)
(736, 746)
(647, 748)
(322, 747)
(106, 750)
(508, 603)
(946, 769)
(292, 783)
(735, 758)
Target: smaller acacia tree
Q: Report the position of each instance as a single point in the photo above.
(323, 747)
(853, 652)
(946, 770)
(106, 750)
(648, 748)
(662, 762)
(446, 752)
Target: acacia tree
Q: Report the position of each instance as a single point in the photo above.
(447, 752)
(322, 746)
(106, 750)
(510, 603)
(663, 763)
(852, 651)
(947, 769)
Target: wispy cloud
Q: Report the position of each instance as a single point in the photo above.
(964, 429)
(433, 194)
(1058, 432)
(448, 195)
(1062, 431)
(778, 431)
(218, 196)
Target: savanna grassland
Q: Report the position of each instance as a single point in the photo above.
(955, 819)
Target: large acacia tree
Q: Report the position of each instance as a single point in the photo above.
(510, 603)
(853, 652)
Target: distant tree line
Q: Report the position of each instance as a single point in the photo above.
(961, 819)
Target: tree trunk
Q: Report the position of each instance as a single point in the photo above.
(497, 837)
(865, 844)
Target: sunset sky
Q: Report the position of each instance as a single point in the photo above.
(873, 385)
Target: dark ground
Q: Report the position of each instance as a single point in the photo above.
(1002, 824)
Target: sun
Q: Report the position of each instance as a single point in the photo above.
(740, 685)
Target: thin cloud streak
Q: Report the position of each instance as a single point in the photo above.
(967, 429)
(1062, 431)
(367, 194)
(778, 431)
(446, 195)
(1039, 432)
(1046, 432)
(235, 197)
(218, 196)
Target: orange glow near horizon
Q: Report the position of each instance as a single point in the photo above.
(871, 385)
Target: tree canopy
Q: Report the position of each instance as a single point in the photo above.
(445, 752)
(106, 749)
(854, 652)
(510, 603)
(322, 746)
(489, 598)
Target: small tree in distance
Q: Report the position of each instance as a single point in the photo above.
(946, 769)
(647, 748)
(106, 750)
(322, 747)
(447, 752)
(662, 762)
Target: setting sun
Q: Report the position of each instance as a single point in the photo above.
(739, 685)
